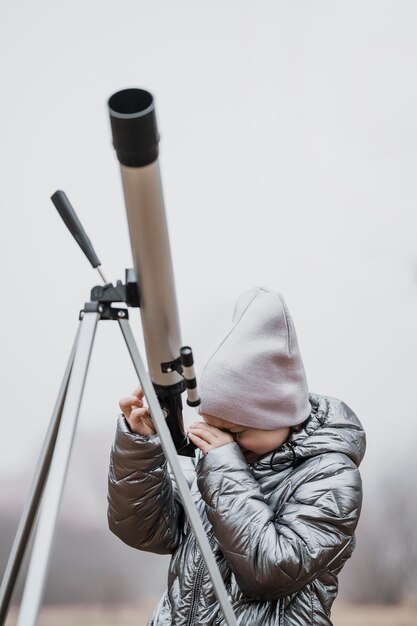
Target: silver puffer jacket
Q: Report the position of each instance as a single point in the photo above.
(281, 529)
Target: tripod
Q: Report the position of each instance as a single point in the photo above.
(47, 487)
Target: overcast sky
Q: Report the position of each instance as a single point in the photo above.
(288, 155)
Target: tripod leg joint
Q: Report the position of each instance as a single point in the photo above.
(107, 312)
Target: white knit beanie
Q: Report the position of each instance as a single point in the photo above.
(255, 375)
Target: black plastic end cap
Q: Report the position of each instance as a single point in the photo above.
(186, 356)
(134, 128)
(194, 403)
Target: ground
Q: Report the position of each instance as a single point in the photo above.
(343, 615)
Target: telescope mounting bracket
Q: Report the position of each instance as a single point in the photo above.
(128, 292)
(106, 311)
(171, 366)
(103, 296)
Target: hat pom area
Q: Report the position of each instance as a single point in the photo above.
(254, 376)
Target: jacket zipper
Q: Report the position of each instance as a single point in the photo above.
(197, 587)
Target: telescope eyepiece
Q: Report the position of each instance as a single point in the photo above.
(134, 128)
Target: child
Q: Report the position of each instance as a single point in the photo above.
(276, 482)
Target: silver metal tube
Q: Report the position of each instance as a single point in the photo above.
(100, 271)
(152, 260)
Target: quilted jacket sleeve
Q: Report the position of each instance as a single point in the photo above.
(144, 509)
(276, 553)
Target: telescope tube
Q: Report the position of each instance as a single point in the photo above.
(135, 139)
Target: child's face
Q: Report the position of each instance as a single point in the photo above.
(250, 439)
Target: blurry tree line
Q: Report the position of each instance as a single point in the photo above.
(383, 568)
(91, 566)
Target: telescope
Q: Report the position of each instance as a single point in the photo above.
(150, 286)
(135, 139)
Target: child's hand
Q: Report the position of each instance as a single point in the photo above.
(207, 437)
(136, 414)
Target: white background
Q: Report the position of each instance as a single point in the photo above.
(288, 155)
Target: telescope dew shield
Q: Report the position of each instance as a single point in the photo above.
(135, 139)
(133, 124)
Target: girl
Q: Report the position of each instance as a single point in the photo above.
(276, 482)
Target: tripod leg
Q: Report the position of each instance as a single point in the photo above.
(171, 455)
(36, 577)
(35, 494)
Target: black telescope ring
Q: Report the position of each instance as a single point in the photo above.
(131, 102)
(134, 128)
